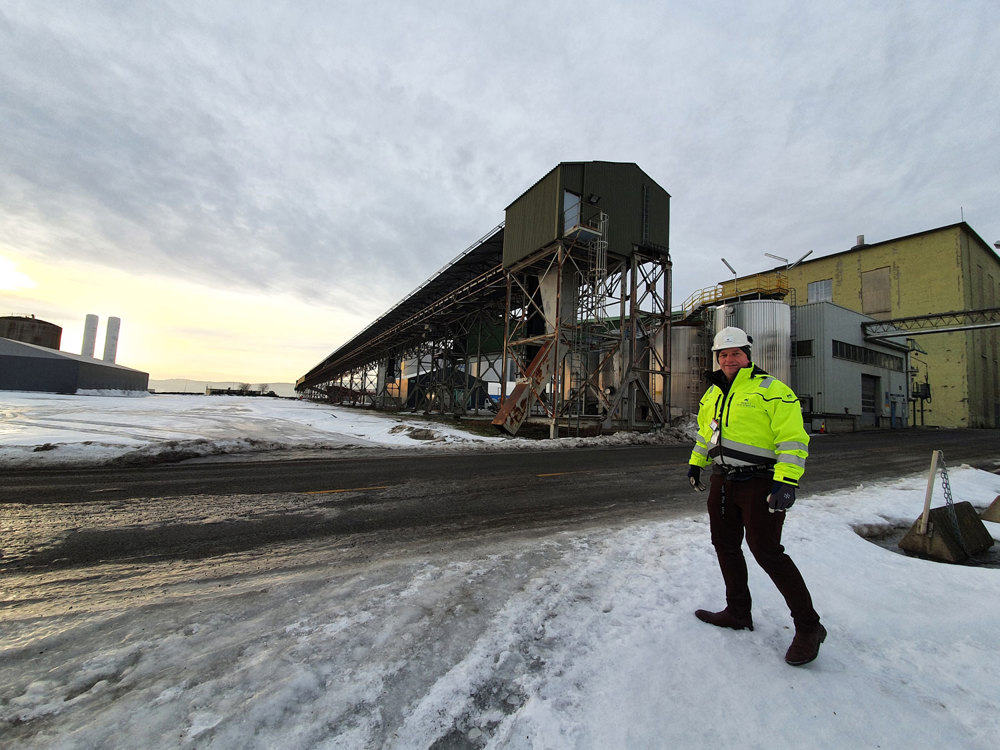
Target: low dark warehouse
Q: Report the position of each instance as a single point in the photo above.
(26, 367)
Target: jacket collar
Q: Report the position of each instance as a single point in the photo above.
(719, 378)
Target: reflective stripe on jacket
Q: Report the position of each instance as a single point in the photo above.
(759, 424)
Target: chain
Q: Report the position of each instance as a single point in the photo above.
(945, 483)
(946, 486)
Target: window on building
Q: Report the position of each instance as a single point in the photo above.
(571, 210)
(876, 298)
(820, 291)
(866, 356)
(802, 348)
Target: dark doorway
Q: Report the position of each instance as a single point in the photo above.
(869, 401)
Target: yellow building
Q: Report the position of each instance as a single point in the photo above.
(942, 270)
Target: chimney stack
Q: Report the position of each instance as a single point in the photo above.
(111, 339)
(89, 336)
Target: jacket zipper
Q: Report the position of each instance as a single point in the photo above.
(721, 410)
(726, 406)
(727, 402)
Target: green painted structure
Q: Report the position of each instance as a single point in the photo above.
(573, 194)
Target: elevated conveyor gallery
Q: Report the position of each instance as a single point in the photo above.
(471, 283)
(577, 279)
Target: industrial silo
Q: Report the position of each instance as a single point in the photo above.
(689, 359)
(769, 323)
(30, 330)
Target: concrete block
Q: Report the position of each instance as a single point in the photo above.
(941, 542)
(993, 512)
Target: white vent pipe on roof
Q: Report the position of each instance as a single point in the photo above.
(111, 339)
(89, 336)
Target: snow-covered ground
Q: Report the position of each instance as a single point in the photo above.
(41, 429)
(572, 639)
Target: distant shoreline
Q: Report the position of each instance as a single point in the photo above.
(187, 386)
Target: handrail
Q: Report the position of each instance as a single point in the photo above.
(770, 282)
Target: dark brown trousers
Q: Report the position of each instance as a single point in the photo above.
(738, 507)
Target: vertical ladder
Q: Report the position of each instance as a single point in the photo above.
(590, 315)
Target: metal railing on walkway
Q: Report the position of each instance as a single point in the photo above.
(770, 284)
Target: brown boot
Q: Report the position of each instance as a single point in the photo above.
(805, 645)
(725, 619)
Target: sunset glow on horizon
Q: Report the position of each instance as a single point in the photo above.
(176, 329)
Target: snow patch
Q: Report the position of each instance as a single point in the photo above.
(119, 428)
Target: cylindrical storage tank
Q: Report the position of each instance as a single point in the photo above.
(769, 323)
(89, 336)
(111, 339)
(30, 330)
(689, 348)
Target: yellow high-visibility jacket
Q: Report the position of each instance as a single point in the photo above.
(756, 421)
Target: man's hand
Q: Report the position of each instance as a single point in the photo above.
(694, 477)
(782, 497)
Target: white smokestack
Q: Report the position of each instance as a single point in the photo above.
(89, 336)
(111, 339)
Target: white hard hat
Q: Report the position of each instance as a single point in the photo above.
(730, 338)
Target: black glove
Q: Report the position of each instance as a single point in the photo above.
(694, 477)
(782, 497)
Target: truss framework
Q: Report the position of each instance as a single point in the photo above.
(604, 330)
(962, 320)
(607, 321)
(448, 368)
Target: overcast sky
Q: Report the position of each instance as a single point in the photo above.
(247, 184)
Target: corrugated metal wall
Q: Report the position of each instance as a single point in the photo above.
(637, 207)
(811, 371)
(532, 221)
(833, 384)
(689, 359)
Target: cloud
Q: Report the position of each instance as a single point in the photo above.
(340, 155)
(11, 279)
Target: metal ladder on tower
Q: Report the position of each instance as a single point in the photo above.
(590, 315)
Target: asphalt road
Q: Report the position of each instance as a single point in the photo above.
(58, 518)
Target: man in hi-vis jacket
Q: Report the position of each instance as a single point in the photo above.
(750, 430)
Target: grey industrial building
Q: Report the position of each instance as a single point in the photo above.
(832, 358)
(30, 360)
(27, 367)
